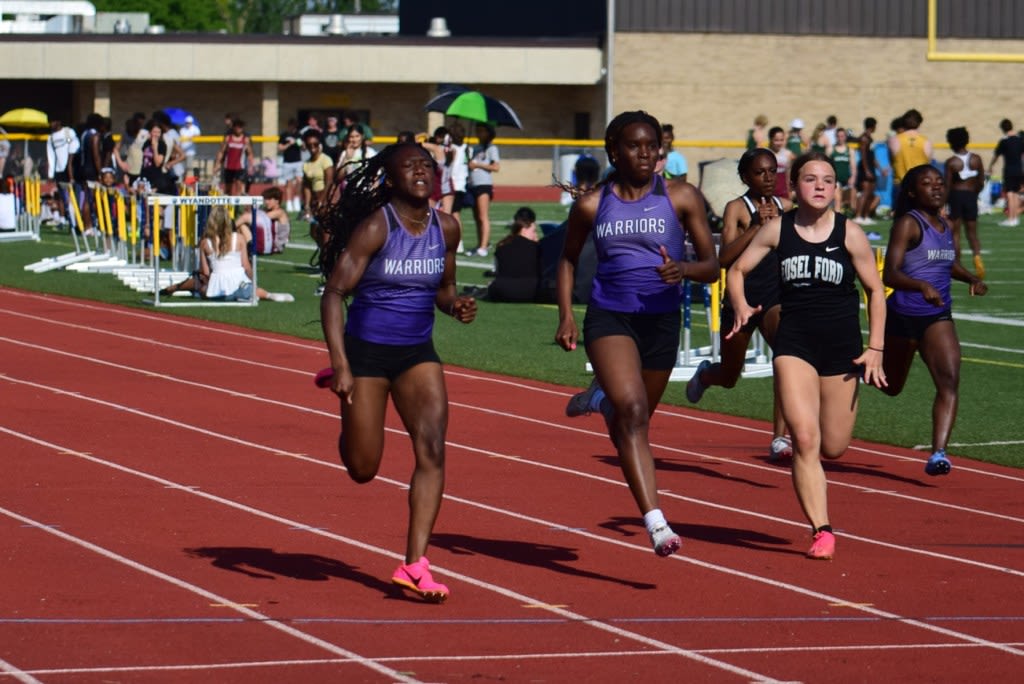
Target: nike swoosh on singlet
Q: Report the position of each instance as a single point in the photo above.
(647, 209)
(831, 249)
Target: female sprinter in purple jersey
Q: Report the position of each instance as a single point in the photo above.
(919, 265)
(631, 330)
(395, 256)
(818, 344)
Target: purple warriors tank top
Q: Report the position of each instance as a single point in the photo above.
(394, 301)
(931, 261)
(628, 236)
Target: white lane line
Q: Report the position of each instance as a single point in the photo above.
(718, 421)
(18, 675)
(494, 657)
(540, 464)
(489, 586)
(523, 599)
(195, 589)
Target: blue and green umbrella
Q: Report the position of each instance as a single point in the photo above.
(474, 106)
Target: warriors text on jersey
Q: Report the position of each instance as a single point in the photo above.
(931, 261)
(394, 302)
(628, 236)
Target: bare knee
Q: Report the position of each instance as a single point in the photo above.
(632, 415)
(360, 470)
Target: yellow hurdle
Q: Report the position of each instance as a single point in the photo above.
(74, 205)
(121, 228)
(154, 238)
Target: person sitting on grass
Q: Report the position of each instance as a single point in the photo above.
(224, 262)
(517, 261)
(271, 219)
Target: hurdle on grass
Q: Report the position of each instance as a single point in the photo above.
(184, 243)
(757, 363)
(21, 210)
(82, 251)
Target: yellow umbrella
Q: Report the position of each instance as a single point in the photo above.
(25, 118)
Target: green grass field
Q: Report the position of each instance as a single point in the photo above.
(517, 339)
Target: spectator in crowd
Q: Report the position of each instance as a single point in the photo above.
(273, 227)
(132, 140)
(188, 133)
(783, 158)
(672, 163)
(234, 158)
(172, 138)
(312, 124)
(908, 148)
(758, 135)
(483, 164)
(831, 128)
(1010, 148)
(866, 175)
(289, 145)
(818, 141)
(455, 174)
(846, 171)
(964, 179)
(333, 138)
(355, 152)
(517, 261)
(61, 147)
(317, 174)
(795, 141)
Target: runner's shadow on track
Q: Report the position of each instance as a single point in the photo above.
(629, 526)
(263, 563)
(871, 470)
(547, 556)
(669, 465)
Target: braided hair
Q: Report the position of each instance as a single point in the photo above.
(350, 199)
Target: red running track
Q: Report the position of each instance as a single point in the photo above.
(172, 509)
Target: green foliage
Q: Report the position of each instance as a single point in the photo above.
(238, 16)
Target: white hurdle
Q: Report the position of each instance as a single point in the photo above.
(185, 246)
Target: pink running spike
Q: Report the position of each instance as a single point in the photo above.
(416, 576)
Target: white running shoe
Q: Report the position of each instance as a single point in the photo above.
(665, 541)
(781, 448)
(280, 297)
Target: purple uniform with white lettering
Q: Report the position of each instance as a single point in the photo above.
(931, 261)
(394, 301)
(628, 236)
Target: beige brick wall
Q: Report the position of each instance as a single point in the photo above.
(711, 86)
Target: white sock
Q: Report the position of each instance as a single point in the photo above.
(653, 519)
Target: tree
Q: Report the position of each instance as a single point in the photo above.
(238, 16)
